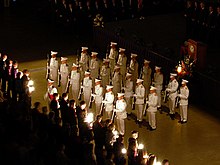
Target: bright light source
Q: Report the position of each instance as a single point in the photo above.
(30, 83)
(179, 68)
(140, 146)
(123, 151)
(146, 156)
(31, 89)
(115, 133)
(89, 118)
(158, 163)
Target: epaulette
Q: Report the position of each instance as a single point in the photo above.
(123, 101)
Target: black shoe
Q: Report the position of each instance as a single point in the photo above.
(180, 121)
(183, 122)
(172, 116)
(152, 129)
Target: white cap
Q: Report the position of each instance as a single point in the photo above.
(121, 49)
(173, 75)
(94, 53)
(133, 55)
(87, 72)
(52, 52)
(74, 65)
(109, 87)
(105, 60)
(157, 67)
(146, 61)
(64, 58)
(128, 74)
(139, 80)
(97, 80)
(84, 48)
(120, 94)
(184, 81)
(50, 81)
(117, 67)
(153, 88)
(113, 43)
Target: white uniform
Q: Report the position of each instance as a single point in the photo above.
(134, 70)
(116, 82)
(84, 61)
(122, 62)
(112, 56)
(94, 69)
(146, 76)
(158, 83)
(121, 115)
(128, 95)
(140, 92)
(109, 99)
(64, 72)
(152, 109)
(75, 83)
(184, 94)
(87, 90)
(54, 66)
(105, 74)
(98, 98)
(49, 94)
(172, 89)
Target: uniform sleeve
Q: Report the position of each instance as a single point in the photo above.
(159, 80)
(110, 99)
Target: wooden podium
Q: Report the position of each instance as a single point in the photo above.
(197, 51)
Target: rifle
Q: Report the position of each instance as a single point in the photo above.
(68, 85)
(177, 100)
(145, 108)
(48, 67)
(91, 100)
(133, 102)
(113, 115)
(166, 94)
(102, 108)
(59, 77)
(81, 92)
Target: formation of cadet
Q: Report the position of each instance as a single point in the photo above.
(203, 21)
(117, 87)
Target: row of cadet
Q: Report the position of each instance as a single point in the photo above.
(117, 78)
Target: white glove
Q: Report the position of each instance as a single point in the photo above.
(168, 90)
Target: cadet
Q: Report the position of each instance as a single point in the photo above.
(158, 83)
(146, 76)
(184, 94)
(122, 62)
(98, 96)
(109, 100)
(50, 91)
(54, 66)
(84, 60)
(133, 67)
(75, 82)
(112, 56)
(116, 80)
(105, 73)
(152, 108)
(139, 94)
(64, 73)
(121, 114)
(128, 92)
(172, 89)
(94, 67)
(87, 88)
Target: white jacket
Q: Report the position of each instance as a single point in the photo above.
(109, 99)
(98, 94)
(184, 94)
(158, 80)
(121, 109)
(128, 88)
(172, 89)
(152, 102)
(140, 92)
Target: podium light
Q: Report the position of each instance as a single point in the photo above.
(140, 146)
(123, 151)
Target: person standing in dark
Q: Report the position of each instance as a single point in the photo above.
(188, 17)
(9, 78)
(217, 26)
(195, 24)
(119, 156)
(72, 118)
(55, 107)
(3, 72)
(99, 139)
(18, 87)
(64, 106)
(202, 21)
(133, 148)
(210, 25)
(14, 76)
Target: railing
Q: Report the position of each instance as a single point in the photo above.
(203, 89)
